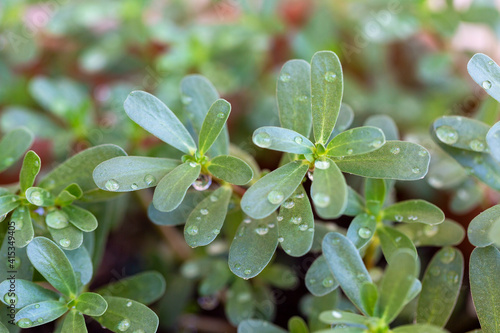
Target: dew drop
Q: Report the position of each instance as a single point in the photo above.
(321, 200)
(447, 134)
(65, 242)
(134, 186)
(327, 282)
(486, 84)
(24, 323)
(3, 217)
(10, 298)
(350, 151)
(322, 164)
(213, 198)
(477, 145)
(149, 179)
(412, 218)
(271, 225)
(447, 256)
(129, 304)
(376, 143)
(281, 239)
(298, 140)
(112, 185)
(296, 220)
(262, 139)
(247, 220)
(192, 230)
(215, 231)
(204, 211)
(435, 271)
(40, 320)
(186, 99)
(140, 330)
(422, 153)
(193, 164)
(247, 271)
(302, 98)
(123, 325)
(312, 281)
(220, 115)
(303, 227)
(202, 183)
(275, 197)
(452, 277)
(57, 219)
(299, 196)
(415, 170)
(336, 314)
(36, 198)
(244, 297)
(285, 77)
(431, 230)
(263, 230)
(395, 150)
(237, 266)
(330, 76)
(289, 204)
(37, 306)
(310, 175)
(279, 218)
(364, 233)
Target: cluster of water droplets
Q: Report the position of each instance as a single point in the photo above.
(113, 185)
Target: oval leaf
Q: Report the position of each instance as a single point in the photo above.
(319, 278)
(347, 266)
(50, 261)
(392, 240)
(13, 145)
(29, 171)
(27, 293)
(361, 230)
(253, 246)
(47, 311)
(69, 238)
(444, 234)
(206, 220)
(282, 139)
(414, 211)
(213, 124)
(356, 141)
(258, 326)
(81, 218)
(155, 117)
(91, 304)
(8, 203)
(328, 190)
(130, 173)
(172, 188)
(480, 226)
(327, 87)
(270, 191)
(461, 132)
(440, 287)
(486, 73)
(240, 304)
(394, 160)
(74, 322)
(230, 169)
(39, 197)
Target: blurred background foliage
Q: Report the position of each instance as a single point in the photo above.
(66, 67)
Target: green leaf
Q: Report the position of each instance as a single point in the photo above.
(213, 124)
(230, 169)
(355, 203)
(393, 240)
(279, 276)
(52, 263)
(343, 330)
(80, 218)
(440, 287)
(495, 233)
(13, 145)
(492, 138)
(130, 173)
(297, 325)
(418, 328)
(171, 190)
(69, 238)
(293, 92)
(82, 264)
(375, 190)
(347, 266)
(444, 234)
(74, 322)
(396, 284)
(485, 286)
(39, 197)
(27, 293)
(67, 196)
(206, 220)
(29, 171)
(124, 314)
(247, 158)
(342, 317)
(486, 73)
(270, 191)
(155, 117)
(329, 189)
(258, 326)
(296, 224)
(394, 160)
(253, 246)
(146, 287)
(369, 297)
(327, 86)
(216, 279)
(40, 313)
(282, 139)
(180, 214)
(319, 278)
(198, 95)
(386, 124)
(480, 226)
(461, 132)
(78, 170)
(23, 226)
(414, 211)
(8, 203)
(361, 230)
(91, 304)
(239, 304)
(356, 141)
(3, 329)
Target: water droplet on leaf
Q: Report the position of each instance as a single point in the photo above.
(289, 204)
(322, 164)
(204, 211)
(321, 200)
(395, 150)
(123, 325)
(447, 255)
(65, 242)
(36, 198)
(24, 323)
(486, 84)
(364, 233)
(149, 179)
(275, 197)
(447, 134)
(262, 139)
(112, 185)
(202, 183)
(192, 230)
(477, 145)
(285, 77)
(298, 140)
(327, 282)
(330, 76)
